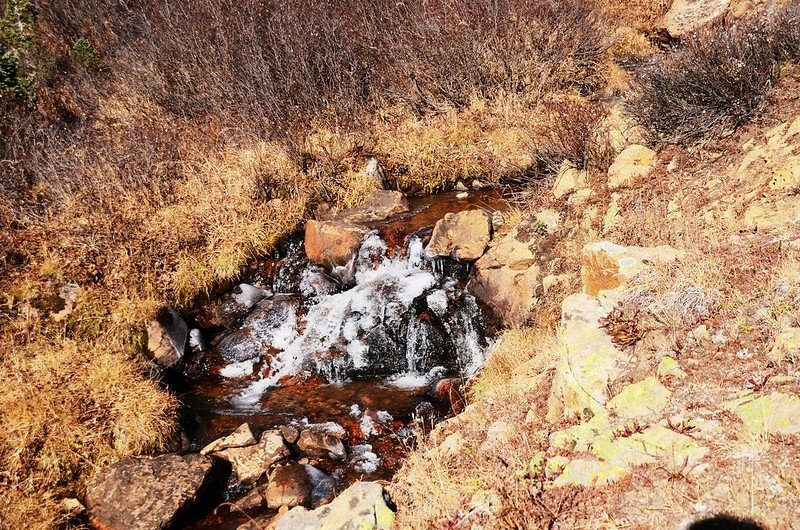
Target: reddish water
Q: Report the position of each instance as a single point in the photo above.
(211, 410)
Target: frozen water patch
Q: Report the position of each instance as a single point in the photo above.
(238, 370)
(364, 460)
(401, 315)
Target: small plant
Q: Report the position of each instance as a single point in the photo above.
(85, 54)
(539, 228)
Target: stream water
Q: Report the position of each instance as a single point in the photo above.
(361, 346)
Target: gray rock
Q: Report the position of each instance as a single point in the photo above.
(166, 337)
(323, 486)
(146, 493)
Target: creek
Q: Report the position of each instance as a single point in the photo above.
(366, 346)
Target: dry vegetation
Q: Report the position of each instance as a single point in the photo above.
(149, 154)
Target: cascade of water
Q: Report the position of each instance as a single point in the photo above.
(402, 315)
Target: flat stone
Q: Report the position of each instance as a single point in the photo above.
(290, 486)
(462, 236)
(635, 162)
(588, 360)
(381, 205)
(640, 399)
(507, 279)
(362, 506)
(568, 180)
(606, 266)
(241, 437)
(669, 367)
(589, 472)
(319, 443)
(146, 493)
(776, 413)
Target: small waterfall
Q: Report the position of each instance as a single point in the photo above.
(399, 318)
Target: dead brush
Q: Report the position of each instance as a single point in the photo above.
(714, 83)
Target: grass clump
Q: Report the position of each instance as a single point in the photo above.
(717, 80)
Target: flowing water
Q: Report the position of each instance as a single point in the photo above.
(360, 345)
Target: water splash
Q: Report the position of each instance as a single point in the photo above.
(403, 316)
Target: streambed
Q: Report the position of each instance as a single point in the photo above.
(368, 348)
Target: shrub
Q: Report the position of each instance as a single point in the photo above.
(713, 83)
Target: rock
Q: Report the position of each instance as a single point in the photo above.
(787, 175)
(260, 522)
(250, 502)
(331, 243)
(72, 507)
(569, 179)
(290, 433)
(606, 266)
(479, 184)
(775, 413)
(226, 310)
(166, 337)
(462, 236)
(241, 437)
(319, 443)
(589, 472)
(619, 130)
(636, 161)
(497, 220)
(640, 399)
(375, 172)
(460, 186)
(669, 367)
(146, 493)
(362, 506)
(379, 206)
(499, 434)
(507, 279)
(780, 213)
(613, 216)
(252, 461)
(290, 486)
(68, 296)
(786, 346)
(550, 219)
(452, 445)
(685, 16)
(323, 486)
(555, 281)
(588, 360)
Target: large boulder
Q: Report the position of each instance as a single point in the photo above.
(332, 243)
(685, 16)
(167, 336)
(462, 236)
(362, 506)
(252, 461)
(507, 279)
(635, 162)
(146, 493)
(381, 205)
